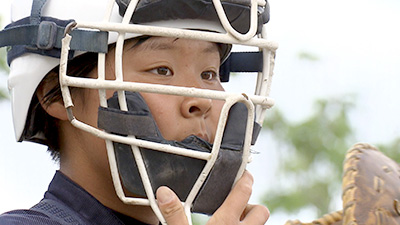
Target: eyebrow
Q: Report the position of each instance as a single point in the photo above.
(157, 45)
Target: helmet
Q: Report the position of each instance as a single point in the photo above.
(46, 34)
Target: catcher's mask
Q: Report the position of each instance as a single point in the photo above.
(45, 34)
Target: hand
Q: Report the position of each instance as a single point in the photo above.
(234, 210)
(171, 207)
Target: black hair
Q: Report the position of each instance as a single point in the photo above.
(42, 128)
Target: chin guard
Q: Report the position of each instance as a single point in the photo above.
(166, 169)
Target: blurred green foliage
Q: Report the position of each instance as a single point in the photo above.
(305, 55)
(310, 157)
(391, 149)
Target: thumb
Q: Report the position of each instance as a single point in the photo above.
(171, 207)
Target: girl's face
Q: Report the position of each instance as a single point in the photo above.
(170, 61)
(177, 62)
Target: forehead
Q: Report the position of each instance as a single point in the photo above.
(174, 44)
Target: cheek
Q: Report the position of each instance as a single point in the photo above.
(213, 118)
(165, 111)
(86, 103)
(217, 104)
(173, 125)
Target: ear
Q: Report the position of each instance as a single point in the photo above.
(55, 109)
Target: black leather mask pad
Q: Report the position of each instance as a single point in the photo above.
(175, 171)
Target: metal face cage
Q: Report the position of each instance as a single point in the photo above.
(256, 103)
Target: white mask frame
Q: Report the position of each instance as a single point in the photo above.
(256, 104)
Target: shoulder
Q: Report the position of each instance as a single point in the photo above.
(26, 217)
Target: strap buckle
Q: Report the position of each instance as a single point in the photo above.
(47, 35)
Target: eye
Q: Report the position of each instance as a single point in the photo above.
(165, 71)
(209, 75)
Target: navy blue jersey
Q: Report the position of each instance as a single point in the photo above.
(65, 202)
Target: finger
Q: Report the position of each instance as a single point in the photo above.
(236, 202)
(171, 207)
(255, 214)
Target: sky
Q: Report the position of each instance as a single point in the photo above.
(356, 46)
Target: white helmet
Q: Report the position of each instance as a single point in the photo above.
(46, 34)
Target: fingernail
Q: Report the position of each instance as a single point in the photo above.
(164, 195)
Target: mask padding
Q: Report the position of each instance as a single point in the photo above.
(165, 169)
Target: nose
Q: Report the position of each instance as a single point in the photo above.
(195, 107)
(191, 106)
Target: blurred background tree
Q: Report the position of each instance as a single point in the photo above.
(311, 156)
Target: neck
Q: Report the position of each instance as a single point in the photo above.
(88, 167)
